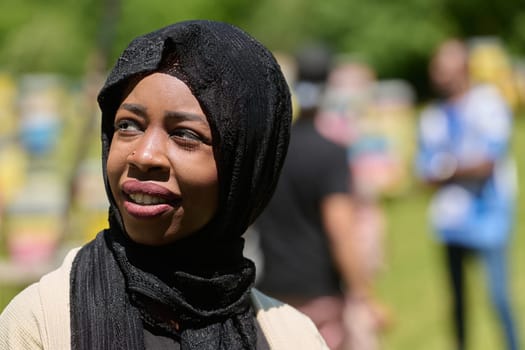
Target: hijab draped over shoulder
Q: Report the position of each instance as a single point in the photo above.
(195, 290)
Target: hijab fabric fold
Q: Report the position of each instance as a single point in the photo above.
(197, 289)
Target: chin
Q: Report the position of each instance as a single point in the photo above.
(151, 237)
(152, 241)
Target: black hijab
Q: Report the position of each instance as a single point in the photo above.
(196, 289)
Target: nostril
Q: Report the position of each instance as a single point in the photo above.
(148, 173)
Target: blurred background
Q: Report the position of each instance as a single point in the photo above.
(54, 56)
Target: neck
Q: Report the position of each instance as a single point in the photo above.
(195, 257)
(457, 91)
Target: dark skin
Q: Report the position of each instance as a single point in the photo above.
(478, 171)
(161, 165)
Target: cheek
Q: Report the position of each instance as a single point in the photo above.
(198, 182)
(203, 181)
(115, 167)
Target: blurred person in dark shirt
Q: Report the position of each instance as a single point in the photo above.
(305, 233)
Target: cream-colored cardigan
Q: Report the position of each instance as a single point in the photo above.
(38, 318)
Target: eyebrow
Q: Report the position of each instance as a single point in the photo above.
(135, 108)
(142, 112)
(183, 116)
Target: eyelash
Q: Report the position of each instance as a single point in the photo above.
(187, 138)
(186, 134)
(124, 124)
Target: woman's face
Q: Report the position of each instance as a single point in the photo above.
(161, 167)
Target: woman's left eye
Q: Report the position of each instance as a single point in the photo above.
(187, 134)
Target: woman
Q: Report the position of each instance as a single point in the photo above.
(195, 127)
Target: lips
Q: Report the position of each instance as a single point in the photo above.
(148, 200)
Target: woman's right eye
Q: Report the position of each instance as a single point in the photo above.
(127, 125)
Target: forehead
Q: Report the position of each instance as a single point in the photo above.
(159, 87)
(160, 90)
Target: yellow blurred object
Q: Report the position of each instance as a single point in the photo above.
(295, 108)
(96, 222)
(289, 69)
(12, 171)
(489, 63)
(7, 105)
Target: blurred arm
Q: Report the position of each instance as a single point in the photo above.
(337, 216)
(480, 170)
(475, 171)
(337, 210)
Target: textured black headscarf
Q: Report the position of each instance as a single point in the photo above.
(201, 282)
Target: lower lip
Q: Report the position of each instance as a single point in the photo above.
(146, 211)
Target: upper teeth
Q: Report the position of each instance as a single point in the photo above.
(141, 198)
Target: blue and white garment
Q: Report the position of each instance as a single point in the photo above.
(476, 213)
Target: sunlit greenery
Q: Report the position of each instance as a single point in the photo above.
(394, 36)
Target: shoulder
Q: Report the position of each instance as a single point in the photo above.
(486, 98)
(306, 136)
(29, 318)
(485, 91)
(283, 326)
(489, 112)
(21, 320)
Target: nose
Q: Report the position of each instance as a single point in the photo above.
(150, 152)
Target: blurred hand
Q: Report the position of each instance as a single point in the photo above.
(378, 314)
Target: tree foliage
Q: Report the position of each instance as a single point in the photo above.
(394, 36)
